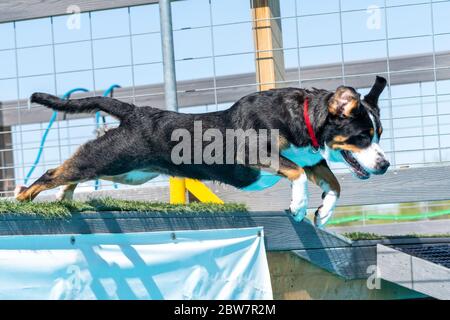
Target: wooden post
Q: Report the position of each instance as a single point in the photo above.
(268, 41)
(6, 162)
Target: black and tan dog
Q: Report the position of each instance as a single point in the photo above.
(342, 126)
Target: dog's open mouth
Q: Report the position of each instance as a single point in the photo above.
(357, 169)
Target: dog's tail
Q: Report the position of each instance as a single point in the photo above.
(116, 108)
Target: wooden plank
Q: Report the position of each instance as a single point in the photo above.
(267, 36)
(6, 161)
(231, 88)
(13, 10)
(413, 273)
(281, 232)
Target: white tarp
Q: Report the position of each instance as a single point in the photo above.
(207, 264)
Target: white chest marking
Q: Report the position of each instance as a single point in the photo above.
(303, 156)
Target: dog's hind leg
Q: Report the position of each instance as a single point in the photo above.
(66, 174)
(322, 176)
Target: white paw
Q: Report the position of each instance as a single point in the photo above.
(64, 194)
(299, 203)
(60, 195)
(299, 210)
(326, 211)
(18, 190)
(322, 217)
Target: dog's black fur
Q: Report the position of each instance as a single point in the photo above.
(143, 138)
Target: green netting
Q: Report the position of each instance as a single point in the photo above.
(374, 217)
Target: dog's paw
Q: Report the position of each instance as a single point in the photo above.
(326, 210)
(19, 193)
(18, 189)
(322, 217)
(299, 211)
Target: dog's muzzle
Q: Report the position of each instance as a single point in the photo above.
(363, 170)
(381, 167)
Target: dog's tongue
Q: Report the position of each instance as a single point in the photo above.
(357, 169)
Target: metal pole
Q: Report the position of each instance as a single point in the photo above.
(170, 82)
(177, 185)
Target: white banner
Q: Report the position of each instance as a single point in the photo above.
(207, 264)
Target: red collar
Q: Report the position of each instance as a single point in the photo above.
(308, 124)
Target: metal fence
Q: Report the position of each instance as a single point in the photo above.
(325, 43)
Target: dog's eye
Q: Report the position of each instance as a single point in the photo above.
(361, 140)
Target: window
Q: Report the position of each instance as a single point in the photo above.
(30, 85)
(363, 26)
(104, 78)
(190, 14)
(148, 74)
(192, 43)
(326, 30)
(194, 69)
(110, 23)
(7, 36)
(235, 64)
(33, 32)
(289, 33)
(306, 7)
(406, 49)
(8, 90)
(441, 17)
(361, 4)
(147, 48)
(69, 81)
(73, 57)
(222, 14)
(35, 61)
(7, 64)
(226, 41)
(356, 54)
(103, 50)
(144, 19)
(420, 22)
(321, 55)
(66, 29)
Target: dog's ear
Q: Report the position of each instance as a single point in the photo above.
(343, 102)
(378, 87)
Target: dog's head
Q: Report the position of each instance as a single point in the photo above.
(354, 130)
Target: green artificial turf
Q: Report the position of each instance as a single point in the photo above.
(372, 236)
(66, 208)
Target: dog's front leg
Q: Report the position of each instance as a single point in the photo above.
(322, 176)
(299, 180)
(299, 202)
